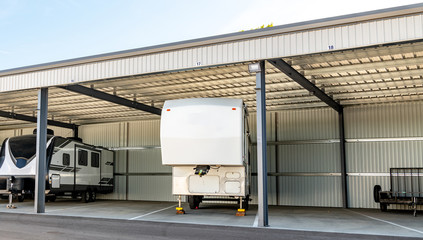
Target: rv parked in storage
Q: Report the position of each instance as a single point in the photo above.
(73, 168)
(205, 140)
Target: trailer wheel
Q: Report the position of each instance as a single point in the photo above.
(86, 196)
(245, 202)
(52, 198)
(376, 190)
(383, 207)
(74, 195)
(194, 201)
(93, 196)
(191, 202)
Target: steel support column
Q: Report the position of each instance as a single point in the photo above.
(261, 147)
(40, 177)
(343, 159)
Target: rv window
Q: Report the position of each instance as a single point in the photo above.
(82, 157)
(66, 159)
(95, 160)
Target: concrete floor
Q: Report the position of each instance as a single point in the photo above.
(357, 221)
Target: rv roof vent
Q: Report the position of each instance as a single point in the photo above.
(49, 131)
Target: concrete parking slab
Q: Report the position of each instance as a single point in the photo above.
(335, 220)
(360, 221)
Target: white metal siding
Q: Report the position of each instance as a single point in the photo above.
(119, 190)
(396, 120)
(151, 188)
(345, 36)
(310, 191)
(147, 161)
(384, 121)
(299, 159)
(308, 124)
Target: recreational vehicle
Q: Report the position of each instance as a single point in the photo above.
(73, 168)
(206, 142)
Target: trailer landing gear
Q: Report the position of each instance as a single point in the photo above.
(240, 212)
(241, 209)
(10, 205)
(180, 209)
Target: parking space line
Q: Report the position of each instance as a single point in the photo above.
(152, 212)
(255, 224)
(388, 222)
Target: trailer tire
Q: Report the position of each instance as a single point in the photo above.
(74, 195)
(246, 202)
(85, 196)
(194, 201)
(52, 198)
(93, 196)
(191, 202)
(383, 207)
(376, 190)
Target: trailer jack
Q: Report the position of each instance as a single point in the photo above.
(10, 205)
(241, 211)
(180, 209)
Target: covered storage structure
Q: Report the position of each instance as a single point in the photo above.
(343, 96)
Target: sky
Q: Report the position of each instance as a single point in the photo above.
(36, 32)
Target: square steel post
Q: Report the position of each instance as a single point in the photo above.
(261, 147)
(40, 177)
(343, 159)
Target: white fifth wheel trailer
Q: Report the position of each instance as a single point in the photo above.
(205, 140)
(73, 168)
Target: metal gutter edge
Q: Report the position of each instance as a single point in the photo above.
(294, 27)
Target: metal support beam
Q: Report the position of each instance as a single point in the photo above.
(304, 82)
(112, 98)
(261, 147)
(41, 154)
(34, 119)
(343, 159)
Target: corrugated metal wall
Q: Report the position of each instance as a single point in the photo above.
(303, 154)
(310, 167)
(382, 122)
(292, 43)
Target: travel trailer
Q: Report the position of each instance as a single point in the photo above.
(206, 142)
(73, 168)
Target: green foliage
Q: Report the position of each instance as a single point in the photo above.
(262, 26)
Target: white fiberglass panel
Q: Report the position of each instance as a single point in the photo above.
(202, 131)
(9, 168)
(215, 183)
(203, 184)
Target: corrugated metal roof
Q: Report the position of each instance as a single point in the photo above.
(350, 77)
(362, 75)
